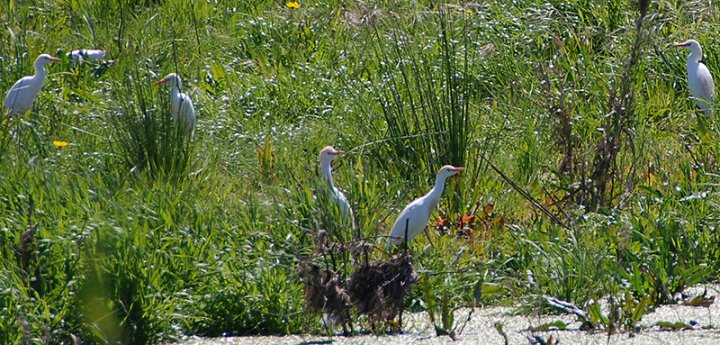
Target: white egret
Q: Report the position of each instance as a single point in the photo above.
(80, 55)
(700, 82)
(415, 216)
(327, 155)
(22, 94)
(183, 111)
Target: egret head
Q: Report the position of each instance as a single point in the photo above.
(45, 59)
(448, 171)
(693, 45)
(171, 78)
(328, 154)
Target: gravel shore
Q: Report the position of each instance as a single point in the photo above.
(481, 330)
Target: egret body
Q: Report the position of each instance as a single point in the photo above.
(700, 82)
(183, 111)
(80, 55)
(327, 155)
(22, 94)
(416, 215)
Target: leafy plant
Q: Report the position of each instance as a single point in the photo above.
(426, 94)
(146, 134)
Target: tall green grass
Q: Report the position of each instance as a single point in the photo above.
(425, 92)
(144, 238)
(146, 134)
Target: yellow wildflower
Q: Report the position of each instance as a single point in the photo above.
(60, 144)
(293, 4)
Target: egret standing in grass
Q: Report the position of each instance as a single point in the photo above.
(415, 216)
(22, 94)
(327, 155)
(700, 82)
(183, 111)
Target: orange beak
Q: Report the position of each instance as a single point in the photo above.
(459, 171)
(54, 59)
(160, 82)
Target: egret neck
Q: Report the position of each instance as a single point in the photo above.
(695, 54)
(175, 96)
(326, 167)
(39, 78)
(433, 196)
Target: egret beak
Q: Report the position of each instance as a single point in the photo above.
(338, 152)
(682, 44)
(459, 172)
(160, 82)
(54, 59)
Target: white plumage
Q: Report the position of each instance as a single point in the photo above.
(80, 55)
(183, 111)
(415, 216)
(22, 94)
(700, 82)
(327, 155)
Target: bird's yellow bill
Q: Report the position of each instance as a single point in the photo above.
(459, 172)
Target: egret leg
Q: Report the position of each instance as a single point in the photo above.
(427, 235)
(407, 225)
(400, 306)
(400, 327)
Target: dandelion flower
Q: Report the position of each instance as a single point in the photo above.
(60, 144)
(293, 4)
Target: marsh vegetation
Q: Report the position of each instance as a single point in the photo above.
(589, 173)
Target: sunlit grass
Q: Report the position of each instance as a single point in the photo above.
(142, 238)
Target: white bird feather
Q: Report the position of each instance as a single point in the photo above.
(414, 217)
(327, 155)
(700, 81)
(21, 96)
(183, 111)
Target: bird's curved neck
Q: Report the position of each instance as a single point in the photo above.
(39, 71)
(175, 90)
(438, 188)
(695, 55)
(327, 172)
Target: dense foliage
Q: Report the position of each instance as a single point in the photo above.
(589, 173)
